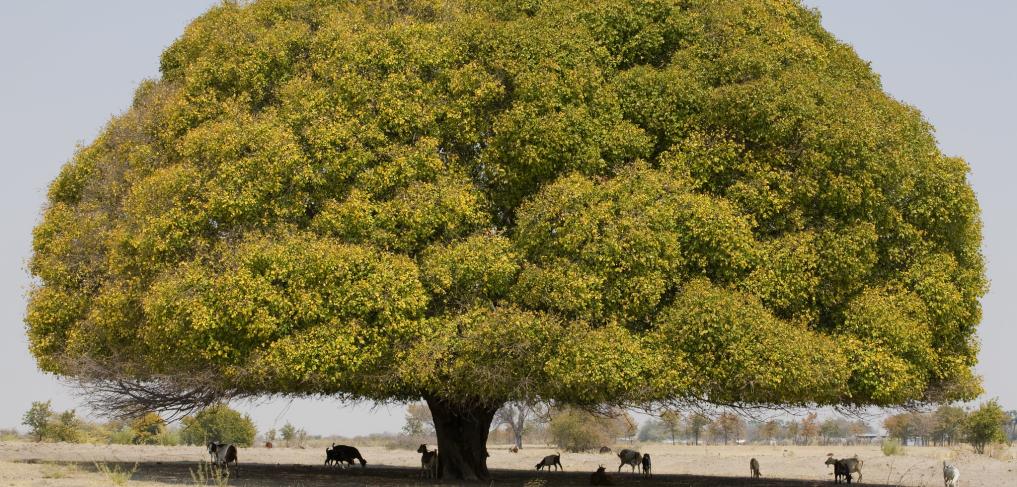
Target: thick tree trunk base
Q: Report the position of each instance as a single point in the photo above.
(462, 439)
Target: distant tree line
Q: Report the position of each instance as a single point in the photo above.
(949, 425)
(218, 422)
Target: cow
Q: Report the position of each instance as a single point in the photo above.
(222, 454)
(341, 455)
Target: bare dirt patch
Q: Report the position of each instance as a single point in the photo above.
(58, 465)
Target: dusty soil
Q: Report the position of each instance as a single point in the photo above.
(58, 465)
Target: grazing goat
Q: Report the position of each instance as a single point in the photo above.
(841, 468)
(551, 461)
(853, 464)
(646, 464)
(629, 457)
(754, 469)
(951, 475)
(514, 449)
(605, 449)
(222, 454)
(268, 444)
(341, 455)
(600, 477)
(428, 462)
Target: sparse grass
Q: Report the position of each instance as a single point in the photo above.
(208, 474)
(999, 452)
(892, 446)
(535, 483)
(116, 475)
(56, 470)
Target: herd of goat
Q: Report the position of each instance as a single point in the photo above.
(844, 469)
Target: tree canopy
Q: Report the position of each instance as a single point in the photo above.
(609, 201)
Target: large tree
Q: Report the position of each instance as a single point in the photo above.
(474, 202)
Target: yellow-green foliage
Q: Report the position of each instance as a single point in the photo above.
(587, 201)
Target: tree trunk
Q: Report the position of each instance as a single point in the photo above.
(462, 439)
(519, 440)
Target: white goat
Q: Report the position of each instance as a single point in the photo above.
(951, 475)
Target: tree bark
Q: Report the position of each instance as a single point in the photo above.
(462, 439)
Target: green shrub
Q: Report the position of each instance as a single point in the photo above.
(576, 431)
(122, 436)
(986, 425)
(218, 423)
(169, 437)
(892, 446)
(37, 418)
(148, 428)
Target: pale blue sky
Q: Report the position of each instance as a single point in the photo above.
(67, 66)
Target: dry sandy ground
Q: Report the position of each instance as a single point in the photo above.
(59, 465)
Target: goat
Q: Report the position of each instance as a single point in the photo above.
(222, 454)
(646, 464)
(951, 475)
(605, 449)
(754, 469)
(514, 449)
(854, 465)
(268, 444)
(428, 462)
(341, 455)
(600, 477)
(629, 457)
(551, 461)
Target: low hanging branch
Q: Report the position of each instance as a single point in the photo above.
(106, 391)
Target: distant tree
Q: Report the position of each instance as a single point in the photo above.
(694, 424)
(986, 425)
(832, 428)
(218, 423)
(672, 421)
(270, 435)
(810, 427)
(727, 426)
(792, 429)
(769, 430)
(288, 433)
(901, 426)
(148, 429)
(418, 420)
(949, 425)
(514, 415)
(1011, 425)
(652, 429)
(37, 419)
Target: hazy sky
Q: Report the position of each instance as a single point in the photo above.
(67, 66)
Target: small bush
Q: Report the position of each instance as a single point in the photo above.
(892, 446)
(218, 423)
(575, 431)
